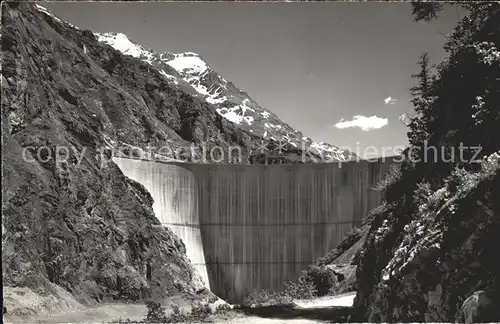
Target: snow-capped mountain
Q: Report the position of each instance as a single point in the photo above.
(190, 72)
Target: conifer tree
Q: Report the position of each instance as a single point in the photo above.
(422, 100)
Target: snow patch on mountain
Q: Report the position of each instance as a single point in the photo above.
(194, 70)
(236, 114)
(214, 100)
(121, 43)
(327, 150)
(189, 62)
(170, 77)
(269, 125)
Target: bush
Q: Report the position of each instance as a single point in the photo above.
(125, 321)
(391, 179)
(261, 297)
(303, 289)
(322, 279)
(222, 308)
(177, 316)
(156, 313)
(200, 313)
(349, 239)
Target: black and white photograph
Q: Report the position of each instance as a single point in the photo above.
(250, 162)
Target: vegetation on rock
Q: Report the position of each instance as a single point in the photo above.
(303, 288)
(433, 244)
(201, 313)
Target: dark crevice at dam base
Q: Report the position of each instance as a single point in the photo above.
(287, 312)
(251, 227)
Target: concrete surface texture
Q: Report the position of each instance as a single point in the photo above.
(175, 203)
(250, 227)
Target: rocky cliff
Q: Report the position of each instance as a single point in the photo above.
(434, 264)
(75, 230)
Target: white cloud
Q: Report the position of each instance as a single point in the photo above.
(389, 101)
(363, 122)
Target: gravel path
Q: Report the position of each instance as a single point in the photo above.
(243, 319)
(343, 300)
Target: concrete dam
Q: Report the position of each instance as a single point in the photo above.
(251, 227)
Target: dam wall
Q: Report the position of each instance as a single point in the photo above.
(249, 227)
(175, 196)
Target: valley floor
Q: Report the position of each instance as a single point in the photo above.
(137, 312)
(108, 313)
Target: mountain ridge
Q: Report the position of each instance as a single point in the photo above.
(231, 102)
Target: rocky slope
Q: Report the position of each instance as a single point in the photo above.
(71, 221)
(437, 265)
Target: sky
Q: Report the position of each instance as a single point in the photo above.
(337, 71)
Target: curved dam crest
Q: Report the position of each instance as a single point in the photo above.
(249, 227)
